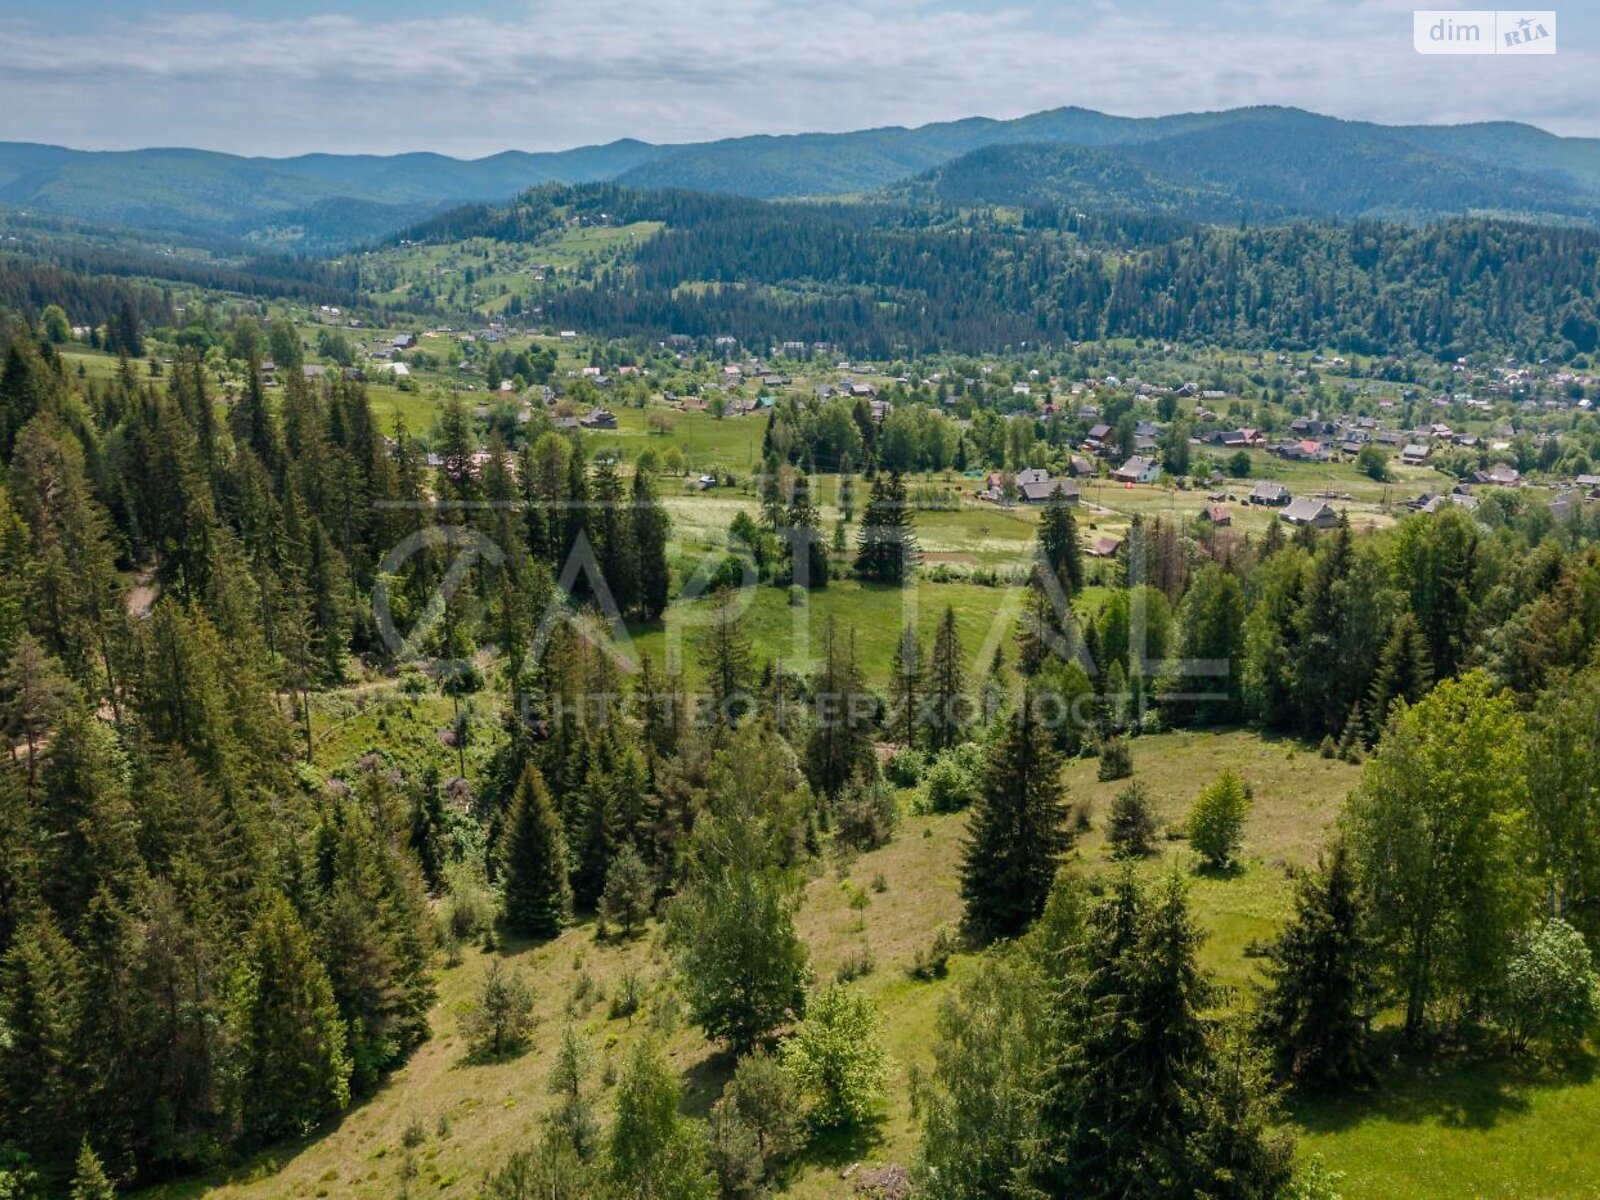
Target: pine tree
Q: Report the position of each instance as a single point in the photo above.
(887, 544)
(89, 1181)
(726, 664)
(651, 528)
(840, 744)
(907, 673)
(1018, 829)
(1315, 1014)
(629, 894)
(534, 862)
(1059, 550)
(808, 554)
(295, 1069)
(946, 687)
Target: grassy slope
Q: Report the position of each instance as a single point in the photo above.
(1451, 1131)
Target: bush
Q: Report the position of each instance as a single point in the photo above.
(468, 907)
(952, 781)
(837, 1058)
(1549, 995)
(856, 964)
(933, 960)
(1216, 822)
(629, 996)
(1116, 760)
(498, 1023)
(867, 814)
(905, 767)
(1132, 824)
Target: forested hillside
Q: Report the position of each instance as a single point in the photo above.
(1304, 162)
(214, 941)
(874, 278)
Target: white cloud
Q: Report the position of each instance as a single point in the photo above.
(560, 74)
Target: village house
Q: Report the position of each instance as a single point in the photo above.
(1499, 475)
(1274, 495)
(1415, 454)
(1038, 491)
(1138, 469)
(1308, 510)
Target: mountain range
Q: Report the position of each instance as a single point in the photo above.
(1255, 163)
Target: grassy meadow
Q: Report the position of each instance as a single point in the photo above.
(1455, 1130)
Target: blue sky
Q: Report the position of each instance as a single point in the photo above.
(471, 77)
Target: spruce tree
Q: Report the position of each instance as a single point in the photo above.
(1315, 1014)
(905, 709)
(629, 894)
(533, 862)
(887, 544)
(296, 1072)
(726, 662)
(42, 1008)
(651, 528)
(1017, 832)
(808, 553)
(1059, 551)
(946, 686)
(840, 744)
(613, 527)
(1131, 830)
(1404, 673)
(89, 1181)
(1139, 1101)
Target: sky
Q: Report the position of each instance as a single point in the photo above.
(473, 77)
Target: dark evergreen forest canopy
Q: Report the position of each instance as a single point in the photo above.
(885, 278)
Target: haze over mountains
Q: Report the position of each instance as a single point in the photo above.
(1258, 164)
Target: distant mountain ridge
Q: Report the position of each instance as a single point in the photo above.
(1204, 164)
(1266, 165)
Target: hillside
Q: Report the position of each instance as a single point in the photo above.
(1264, 165)
(1267, 156)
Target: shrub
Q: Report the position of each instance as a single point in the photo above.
(867, 814)
(1216, 822)
(837, 1058)
(629, 996)
(1549, 994)
(1116, 760)
(905, 767)
(856, 964)
(951, 782)
(933, 960)
(498, 1023)
(468, 907)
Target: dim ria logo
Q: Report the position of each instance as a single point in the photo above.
(1485, 31)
